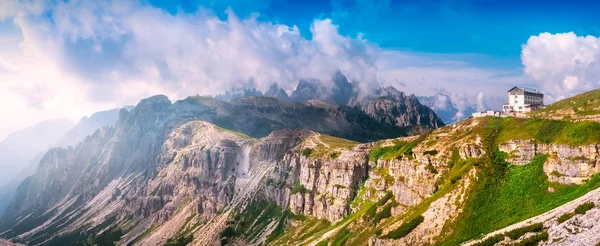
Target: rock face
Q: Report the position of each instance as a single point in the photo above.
(321, 187)
(387, 106)
(159, 165)
(164, 172)
(566, 164)
(394, 107)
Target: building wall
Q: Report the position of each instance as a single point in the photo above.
(520, 100)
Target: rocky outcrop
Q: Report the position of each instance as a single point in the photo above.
(393, 107)
(323, 186)
(566, 164)
(581, 229)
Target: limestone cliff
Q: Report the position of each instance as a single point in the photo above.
(165, 175)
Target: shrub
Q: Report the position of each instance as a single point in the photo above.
(565, 217)
(519, 232)
(334, 155)
(491, 241)
(431, 152)
(228, 232)
(534, 240)
(385, 198)
(405, 228)
(431, 168)
(179, 241)
(307, 152)
(583, 208)
(299, 188)
(455, 179)
(386, 212)
(370, 212)
(378, 231)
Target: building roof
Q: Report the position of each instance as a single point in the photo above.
(525, 89)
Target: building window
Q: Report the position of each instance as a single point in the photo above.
(520, 107)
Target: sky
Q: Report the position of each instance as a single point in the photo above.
(63, 58)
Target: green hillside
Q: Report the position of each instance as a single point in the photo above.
(501, 194)
(581, 105)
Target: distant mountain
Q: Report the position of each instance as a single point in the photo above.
(22, 149)
(87, 126)
(394, 107)
(449, 110)
(17, 150)
(261, 171)
(21, 152)
(387, 105)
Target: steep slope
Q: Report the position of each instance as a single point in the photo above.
(88, 125)
(462, 181)
(584, 106)
(70, 182)
(385, 105)
(258, 116)
(164, 175)
(393, 107)
(19, 147)
(33, 145)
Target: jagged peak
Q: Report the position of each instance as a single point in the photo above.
(154, 100)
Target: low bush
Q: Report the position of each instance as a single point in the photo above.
(405, 228)
(307, 152)
(519, 232)
(565, 217)
(490, 241)
(431, 152)
(299, 188)
(534, 240)
(583, 208)
(386, 212)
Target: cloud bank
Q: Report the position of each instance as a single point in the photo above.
(78, 57)
(563, 64)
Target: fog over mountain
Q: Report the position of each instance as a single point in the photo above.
(386, 104)
(21, 152)
(17, 150)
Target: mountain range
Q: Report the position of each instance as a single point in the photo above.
(21, 152)
(258, 170)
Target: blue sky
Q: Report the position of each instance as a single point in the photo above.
(489, 27)
(96, 55)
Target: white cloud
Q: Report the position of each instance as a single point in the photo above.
(78, 57)
(481, 102)
(563, 64)
(89, 55)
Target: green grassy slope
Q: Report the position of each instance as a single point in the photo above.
(502, 194)
(587, 103)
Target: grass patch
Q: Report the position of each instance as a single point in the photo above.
(533, 240)
(431, 152)
(307, 152)
(548, 131)
(398, 150)
(581, 209)
(405, 228)
(587, 103)
(565, 217)
(519, 232)
(250, 223)
(299, 188)
(329, 147)
(385, 212)
(491, 241)
(506, 194)
(180, 241)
